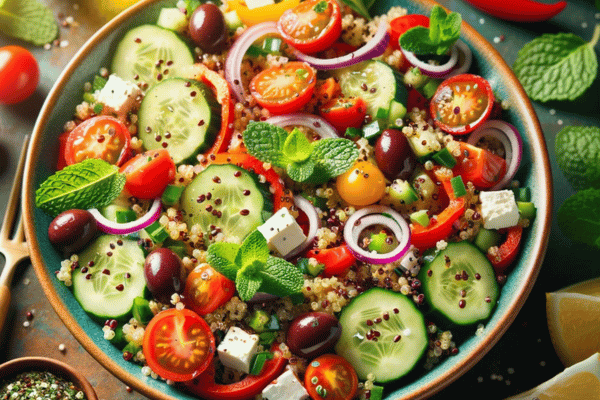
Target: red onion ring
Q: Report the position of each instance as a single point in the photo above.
(314, 223)
(510, 138)
(318, 124)
(374, 48)
(434, 71)
(373, 215)
(465, 59)
(115, 228)
(233, 64)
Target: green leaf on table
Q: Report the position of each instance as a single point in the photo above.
(360, 7)
(577, 151)
(281, 278)
(91, 183)
(247, 284)
(557, 66)
(27, 20)
(579, 217)
(265, 141)
(221, 256)
(443, 32)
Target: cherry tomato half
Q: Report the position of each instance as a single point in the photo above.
(284, 89)
(401, 24)
(361, 185)
(206, 289)
(178, 344)
(330, 377)
(337, 260)
(148, 174)
(311, 26)
(462, 103)
(101, 137)
(479, 166)
(19, 74)
(345, 112)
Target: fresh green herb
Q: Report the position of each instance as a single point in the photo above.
(98, 107)
(579, 217)
(360, 6)
(557, 66)
(253, 269)
(27, 20)
(91, 183)
(578, 154)
(98, 83)
(315, 162)
(320, 7)
(443, 32)
(44, 384)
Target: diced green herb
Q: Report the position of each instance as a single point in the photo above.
(458, 186)
(157, 232)
(320, 7)
(420, 217)
(445, 158)
(172, 194)
(98, 83)
(98, 107)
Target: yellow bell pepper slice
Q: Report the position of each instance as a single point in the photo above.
(260, 14)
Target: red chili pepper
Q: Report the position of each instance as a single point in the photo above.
(507, 252)
(519, 11)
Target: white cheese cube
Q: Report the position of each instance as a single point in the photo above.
(118, 96)
(282, 232)
(252, 4)
(237, 349)
(285, 387)
(499, 209)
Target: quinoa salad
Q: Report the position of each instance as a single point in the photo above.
(288, 200)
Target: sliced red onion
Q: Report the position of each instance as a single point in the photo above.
(318, 124)
(374, 48)
(377, 215)
(434, 71)
(233, 64)
(510, 138)
(314, 223)
(465, 59)
(115, 228)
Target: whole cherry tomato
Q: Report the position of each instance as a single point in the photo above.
(19, 74)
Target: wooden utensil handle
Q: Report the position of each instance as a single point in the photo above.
(4, 304)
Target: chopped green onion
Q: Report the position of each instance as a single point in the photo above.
(258, 362)
(372, 131)
(382, 113)
(157, 232)
(522, 194)
(141, 310)
(430, 88)
(445, 158)
(267, 338)
(272, 45)
(302, 73)
(353, 133)
(487, 238)
(526, 209)
(98, 107)
(172, 194)
(458, 186)
(420, 217)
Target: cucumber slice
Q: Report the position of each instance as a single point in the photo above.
(111, 276)
(423, 184)
(466, 300)
(143, 48)
(173, 19)
(375, 82)
(181, 113)
(422, 144)
(402, 336)
(402, 192)
(220, 196)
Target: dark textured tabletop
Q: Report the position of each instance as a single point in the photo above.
(523, 357)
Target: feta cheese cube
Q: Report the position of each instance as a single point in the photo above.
(118, 96)
(282, 232)
(237, 349)
(499, 209)
(252, 4)
(285, 387)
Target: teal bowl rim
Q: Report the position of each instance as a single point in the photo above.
(523, 111)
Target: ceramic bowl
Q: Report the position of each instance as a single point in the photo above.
(58, 368)
(60, 105)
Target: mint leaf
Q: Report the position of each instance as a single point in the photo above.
(27, 20)
(443, 32)
(265, 142)
(579, 217)
(577, 151)
(296, 146)
(221, 256)
(254, 250)
(359, 6)
(247, 285)
(281, 278)
(557, 66)
(91, 183)
(332, 157)
(418, 41)
(300, 172)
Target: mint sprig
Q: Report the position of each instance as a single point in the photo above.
(557, 66)
(91, 183)
(579, 217)
(253, 269)
(27, 20)
(361, 7)
(443, 32)
(314, 163)
(577, 151)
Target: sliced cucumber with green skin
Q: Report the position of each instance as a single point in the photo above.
(400, 343)
(146, 46)
(110, 277)
(375, 82)
(226, 197)
(180, 115)
(460, 284)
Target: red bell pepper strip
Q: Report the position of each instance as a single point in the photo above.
(519, 11)
(337, 260)
(507, 252)
(205, 386)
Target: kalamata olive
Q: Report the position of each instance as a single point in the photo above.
(208, 29)
(391, 152)
(313, 334)
(163, 274)
(71, 230)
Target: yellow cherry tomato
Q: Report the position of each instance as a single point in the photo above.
(361, 185)
(260, 14)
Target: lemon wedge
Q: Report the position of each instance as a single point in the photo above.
(578, 382)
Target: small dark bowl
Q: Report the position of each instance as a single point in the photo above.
(58, 368)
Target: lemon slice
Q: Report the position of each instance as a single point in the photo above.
(573, 315)
(578, 382)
